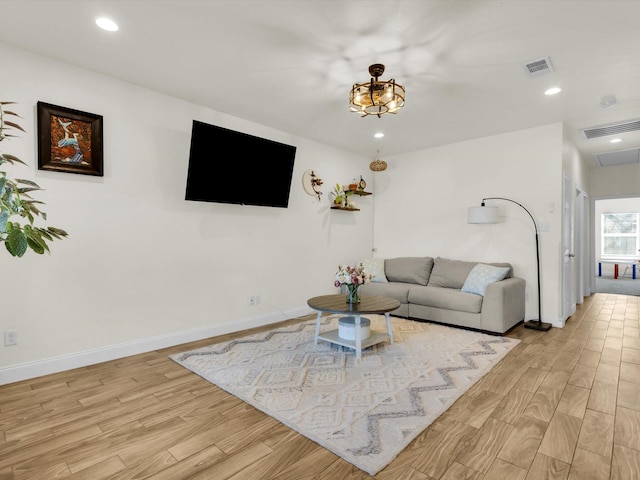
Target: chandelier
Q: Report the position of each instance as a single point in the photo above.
(376, 96)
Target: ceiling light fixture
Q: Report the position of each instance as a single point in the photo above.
(376, 97)
(107, 24)
(379, 135)
(615, 140)
(378, 165)
(552, 91)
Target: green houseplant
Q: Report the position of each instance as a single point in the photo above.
(18, 209)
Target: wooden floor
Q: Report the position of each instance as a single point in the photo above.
(564, 404)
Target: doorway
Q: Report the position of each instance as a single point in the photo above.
(616, 248)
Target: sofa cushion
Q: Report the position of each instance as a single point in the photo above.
(481, 276)
(375, 267)
(397, 290)
(409, 269)
(445, 298)
(450, 273)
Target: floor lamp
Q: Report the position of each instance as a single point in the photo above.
(484, 214)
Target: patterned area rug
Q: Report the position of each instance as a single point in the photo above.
(366, 411)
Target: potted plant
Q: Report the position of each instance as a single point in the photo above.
(340, 196)
(18, 209)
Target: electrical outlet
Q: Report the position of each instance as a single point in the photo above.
(254, 300)
(10, 337)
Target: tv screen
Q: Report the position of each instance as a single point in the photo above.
(226, 166)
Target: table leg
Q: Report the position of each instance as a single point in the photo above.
(389, 329)
(633, 271)
(615, 270)
(315, 338)
(358, 336)
(599, 269)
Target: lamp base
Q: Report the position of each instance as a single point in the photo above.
(536, 325)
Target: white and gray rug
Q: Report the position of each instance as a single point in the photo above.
(366, 411)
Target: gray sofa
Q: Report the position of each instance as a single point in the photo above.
(440, 291)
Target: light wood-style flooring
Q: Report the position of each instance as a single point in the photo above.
(564, 404)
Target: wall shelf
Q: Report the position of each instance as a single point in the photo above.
(362, 193)
(338, 207)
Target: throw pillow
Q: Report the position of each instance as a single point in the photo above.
(375, 267)
(481, 276)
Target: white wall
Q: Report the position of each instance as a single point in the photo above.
(423, 197)
(142, 268)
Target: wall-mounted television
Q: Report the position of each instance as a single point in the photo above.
(226, 166)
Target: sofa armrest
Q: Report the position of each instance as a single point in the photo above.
(503, 305)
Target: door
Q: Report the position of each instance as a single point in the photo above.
(568, 296)
(580, 246)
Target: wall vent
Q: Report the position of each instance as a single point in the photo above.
(618, 158)
(611, 129)
(538, 67)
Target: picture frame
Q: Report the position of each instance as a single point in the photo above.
(69, 140)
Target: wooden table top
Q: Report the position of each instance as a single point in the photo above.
(368, 304)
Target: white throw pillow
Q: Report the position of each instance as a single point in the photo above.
(375, 267)
(481, 276)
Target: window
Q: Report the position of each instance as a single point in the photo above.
(620, 235)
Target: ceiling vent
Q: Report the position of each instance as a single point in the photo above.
(612, 129)
(618, 158)
(538, 67)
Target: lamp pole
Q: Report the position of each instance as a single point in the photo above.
(539, 324)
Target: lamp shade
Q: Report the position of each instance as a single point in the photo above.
(482, 215)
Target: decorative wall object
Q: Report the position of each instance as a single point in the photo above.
(69, 140)
(311, 183)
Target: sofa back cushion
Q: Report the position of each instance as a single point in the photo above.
(450, 273)
(409, 269)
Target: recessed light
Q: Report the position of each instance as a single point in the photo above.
(615, 140)
(107, 24)
(379, 135)
(552, 91)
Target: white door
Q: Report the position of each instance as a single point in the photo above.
(568, 297)
(579, 246)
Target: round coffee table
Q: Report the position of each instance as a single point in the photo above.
(369, 304)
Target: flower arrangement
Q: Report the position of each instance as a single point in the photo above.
(353, 278)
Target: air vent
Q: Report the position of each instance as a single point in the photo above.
(618, 158)
(538, 67)
(612, 129)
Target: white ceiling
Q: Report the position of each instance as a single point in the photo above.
(289, 64)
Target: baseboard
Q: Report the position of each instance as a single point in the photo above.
(47, 366)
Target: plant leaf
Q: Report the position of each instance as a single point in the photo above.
(12, 158)
(36, 243)
(4, 217)
(16, 242)
(57, 232)
(24, 181)
(14, 125)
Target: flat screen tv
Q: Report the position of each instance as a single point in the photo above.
(226, 166)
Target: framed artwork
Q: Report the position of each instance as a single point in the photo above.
(69, 140)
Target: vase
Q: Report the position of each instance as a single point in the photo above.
(352, 294)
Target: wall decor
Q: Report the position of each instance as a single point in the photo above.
(69, 140)
(311, 183)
